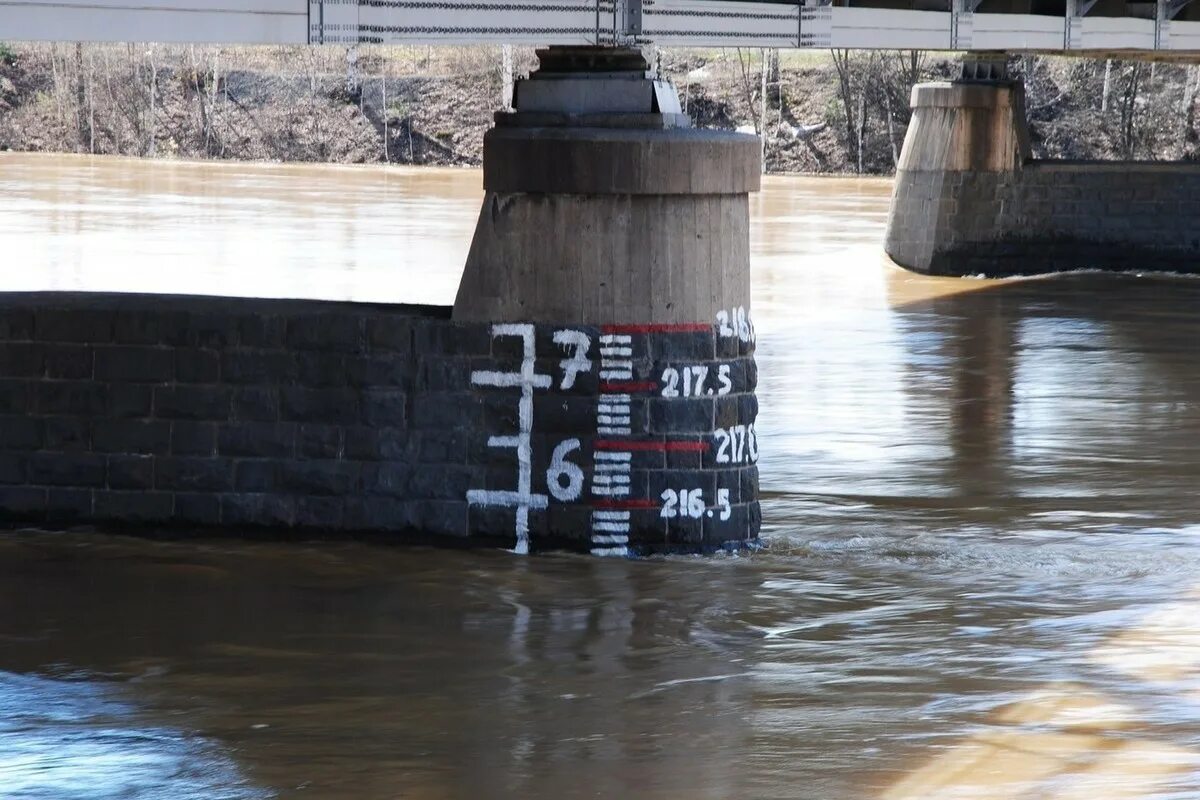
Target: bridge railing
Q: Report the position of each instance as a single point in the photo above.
(811, 24)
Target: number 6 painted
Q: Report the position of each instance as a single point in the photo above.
(561, 468)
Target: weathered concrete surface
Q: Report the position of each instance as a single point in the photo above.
(968, 199)
(186, 413)
(603, 218)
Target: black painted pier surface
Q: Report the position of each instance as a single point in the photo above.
(320, 418)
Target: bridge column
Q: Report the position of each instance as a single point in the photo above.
(969, 199)
(966, 145)
(611, 263)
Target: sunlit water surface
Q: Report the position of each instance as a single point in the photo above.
(980, 499)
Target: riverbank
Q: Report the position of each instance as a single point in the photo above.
(823, 113)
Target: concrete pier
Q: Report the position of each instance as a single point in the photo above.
(969, 199)
(612, 249)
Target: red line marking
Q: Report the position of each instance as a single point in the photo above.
(670, 447)
(681, 327)
(623, 504)
(628, 386)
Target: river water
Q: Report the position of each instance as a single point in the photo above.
(980, 498)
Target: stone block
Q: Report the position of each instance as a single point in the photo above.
(67, 434)
(21, 433)
(388, 480)
(16, 396)
(384, 408)
(134, 507)
(13, 468)
(258, 510)
(22, 502)
(197, 508)
(73, 325)
(325, 513)
(320, 441)
(441, 447)
(193, 474)
(321, 370)
(68, 362)
(377, 444)
(329, 406)
(256, 475)
(82, 398)
(391, 334)
(337, 332)
(130, 400)
(379, 514)
(443, 481)
(381, 371)
(193, 438)
(436, 337)
(557, 413)
(258, 403)
(197, 366)
(131, 436)
(262, 330)
(450, 410)
(257, 439)
(681, 347)
(68, 505)
(21, 360)
(327, 477)
(67, 469)
(680, 415)
(130, 364)
(146, 327)
(442, 518)
(205, 329)
(193, 402)
(130, 472)
(16, 325)
(258, 367)
(439, 374)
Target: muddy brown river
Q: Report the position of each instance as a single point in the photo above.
(980, 500)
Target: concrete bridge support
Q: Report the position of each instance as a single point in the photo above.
(969, 198)
(611, 262)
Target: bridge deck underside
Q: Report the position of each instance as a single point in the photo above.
(1168, 28)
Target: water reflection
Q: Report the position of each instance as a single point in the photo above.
(979, 496)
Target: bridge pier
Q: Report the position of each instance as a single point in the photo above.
(969, 199)
(611, 262)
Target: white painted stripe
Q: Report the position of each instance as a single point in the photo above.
(607, 431)
(615, 338)
(611, 515)
(504, 441)
(605, 419)
(605, 480)
(616, 351)
(614, 408)
(616, 374)
(614, 398)
(617, 539)
(622, 363)
(610, 551)
(610, 455)
(508, 379)
(490, 497)
(611, 527)
(615, 466)
(610, 491)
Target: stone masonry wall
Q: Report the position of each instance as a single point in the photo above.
(171, 413)
(1048, 216)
